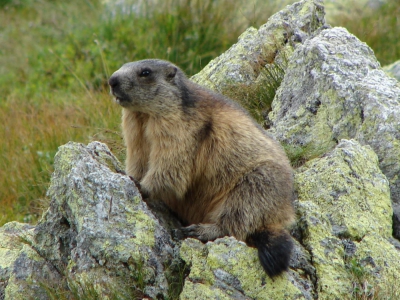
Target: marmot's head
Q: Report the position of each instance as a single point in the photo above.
(151, 86)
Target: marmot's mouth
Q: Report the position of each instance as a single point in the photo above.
(118, 98)
(121, 101)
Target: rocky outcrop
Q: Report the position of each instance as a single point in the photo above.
(97, 232)
(345, 222)
(98, 227)
(99, 238)
(334, 88)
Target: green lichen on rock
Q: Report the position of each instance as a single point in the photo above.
(14, 238)
(144, 228)
(333, 281)
(379, 261)
(233, 63)
(356, 195)
(195, 252)
(201, 291)
(29, 274)
(343, 198)
(26, 283)
(227, 268)
(13, 235)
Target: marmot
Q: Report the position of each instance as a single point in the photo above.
(207, 159)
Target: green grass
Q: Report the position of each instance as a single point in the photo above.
(56, 56)
(257, 97)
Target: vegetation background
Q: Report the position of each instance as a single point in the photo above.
(56, 56)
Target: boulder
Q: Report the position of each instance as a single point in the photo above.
(228, 269)
(334, 88)
(97, 233)
(345, 223)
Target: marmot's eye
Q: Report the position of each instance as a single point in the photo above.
(145, 73)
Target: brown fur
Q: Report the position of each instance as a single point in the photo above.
(202, 155)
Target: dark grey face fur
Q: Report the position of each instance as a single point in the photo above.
(149, 86)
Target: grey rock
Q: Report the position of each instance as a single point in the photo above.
(97, 221)
(23, 273)
(334, 88)
(345, 189)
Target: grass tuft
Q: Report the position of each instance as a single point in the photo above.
(299, 155)
(257, 97)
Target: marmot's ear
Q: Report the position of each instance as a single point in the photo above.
(171, 72)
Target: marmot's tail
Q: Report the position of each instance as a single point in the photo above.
(274, 249)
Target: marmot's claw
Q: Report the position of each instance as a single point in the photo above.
(192, 231)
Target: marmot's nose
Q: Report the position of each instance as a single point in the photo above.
(113, 81)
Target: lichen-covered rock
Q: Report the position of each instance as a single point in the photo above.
(97, 226)
(243, 62)
(345, 220)
(10, 247)
(31, 276)
(228, 269)
(23, 273)
(334, 88)
(393, 70)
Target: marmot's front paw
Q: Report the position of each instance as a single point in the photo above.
(194, 231)
(204, 232)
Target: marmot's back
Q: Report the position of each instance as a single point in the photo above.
(206, 159)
